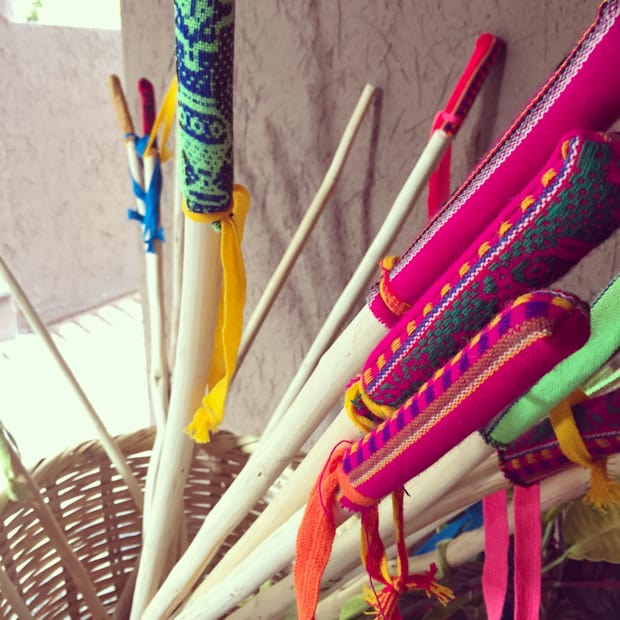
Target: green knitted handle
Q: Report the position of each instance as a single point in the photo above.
(568, 375)
(205, 46)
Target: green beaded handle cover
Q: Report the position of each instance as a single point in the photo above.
(205, 47)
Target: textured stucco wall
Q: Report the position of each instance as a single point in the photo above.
(300, 67)
(62, 202)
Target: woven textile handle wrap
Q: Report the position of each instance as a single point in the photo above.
(449, 120)
(583, 93)
(532, 407)
(519, 346)
(205, 46)
(566, 210)
(536, 454)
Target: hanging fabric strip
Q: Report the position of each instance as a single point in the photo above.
(528, 552)
(496, 544)
(449, 120)
(557, 108)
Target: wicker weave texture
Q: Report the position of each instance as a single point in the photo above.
(102, 524)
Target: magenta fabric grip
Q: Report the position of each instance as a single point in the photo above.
(571, 206)
(502, 362)
(584, 92)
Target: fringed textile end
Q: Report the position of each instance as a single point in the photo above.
(374, 557)
(603, 491)
(384, 602)
(205, 421)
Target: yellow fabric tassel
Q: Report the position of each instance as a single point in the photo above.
(230, 318)
(603, 491)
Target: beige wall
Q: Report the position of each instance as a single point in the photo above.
(64, 188)
(300, 67)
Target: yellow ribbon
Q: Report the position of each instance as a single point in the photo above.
(356, 390)
(165, 118)
(230, 318)
(603, 491)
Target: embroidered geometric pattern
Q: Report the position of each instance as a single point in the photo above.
(205, 42)
(584, 92)
(519, 346)
(536, 454)
(568, 210)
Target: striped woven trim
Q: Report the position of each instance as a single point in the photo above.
(536, 454)
(498, 364)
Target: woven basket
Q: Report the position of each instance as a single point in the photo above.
(102, 525)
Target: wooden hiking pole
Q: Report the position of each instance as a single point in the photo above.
(436, 153)
(145, 173)
(39, 328)
(213, 275)
(277, 447)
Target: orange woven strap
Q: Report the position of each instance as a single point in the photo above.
(397, 306)
(316, 536)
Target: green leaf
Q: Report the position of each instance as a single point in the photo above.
(353, 608)
(592, 534)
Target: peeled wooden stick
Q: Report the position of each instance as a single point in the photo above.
(29, 490)
(278, 550)
(392, 225)
(159, 373)
(307, 224)
(126, 125)
(108, 443)
(178, 228)
(199, 306)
